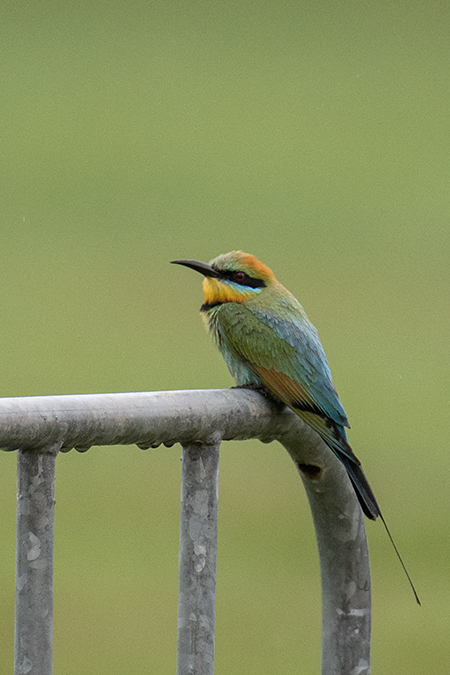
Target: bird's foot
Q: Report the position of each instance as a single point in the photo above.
(261, 389)
(255, 387)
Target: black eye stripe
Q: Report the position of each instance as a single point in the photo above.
(249, 281)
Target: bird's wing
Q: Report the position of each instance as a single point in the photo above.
(289, 359)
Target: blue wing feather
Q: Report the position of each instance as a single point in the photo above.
(308, 364)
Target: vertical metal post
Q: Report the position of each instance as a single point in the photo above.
(33, 629)
(198, 553)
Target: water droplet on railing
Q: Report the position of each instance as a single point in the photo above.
(82, 448)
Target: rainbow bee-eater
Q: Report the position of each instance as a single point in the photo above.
(269, 343)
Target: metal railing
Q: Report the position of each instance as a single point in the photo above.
(40, 427)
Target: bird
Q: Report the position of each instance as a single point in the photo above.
(268, 343)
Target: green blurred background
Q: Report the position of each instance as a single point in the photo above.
(314, 135)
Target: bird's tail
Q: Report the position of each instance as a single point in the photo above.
(362, 488)
(369, 504)
(335, 437)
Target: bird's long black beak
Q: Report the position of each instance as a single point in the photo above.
(198, 266)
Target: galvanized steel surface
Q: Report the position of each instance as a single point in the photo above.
(39, 425)
(198, 556)
(147, 419)
(33, 625)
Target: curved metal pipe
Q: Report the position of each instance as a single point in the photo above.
(343, 552)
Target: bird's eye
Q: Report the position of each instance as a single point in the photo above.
(239, 277)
